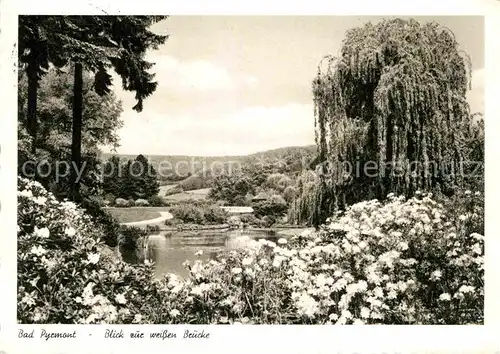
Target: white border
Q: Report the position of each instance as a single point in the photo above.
(277, 339)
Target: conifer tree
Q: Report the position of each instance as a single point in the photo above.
(96, 44)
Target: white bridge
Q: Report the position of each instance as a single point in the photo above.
(237, 209)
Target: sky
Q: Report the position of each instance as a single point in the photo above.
(235, 85)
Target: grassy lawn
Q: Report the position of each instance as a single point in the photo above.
(123, 215)
(163, 189)
(197, 194)
(201, 192)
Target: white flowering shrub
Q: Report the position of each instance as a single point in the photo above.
(120, 202)
(141, 202)
(413, 261)
(399, 262)
(64, 273)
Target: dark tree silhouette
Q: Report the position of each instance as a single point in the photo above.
(96, 44)
(395, 98)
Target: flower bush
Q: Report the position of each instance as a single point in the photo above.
(199, 213)
(141, 202)
(66, 274)
(415, 261)
(120, 202)
(156, 201)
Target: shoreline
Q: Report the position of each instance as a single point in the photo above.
(279, 230)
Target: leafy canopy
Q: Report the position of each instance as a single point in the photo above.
(396, 96)
(99, 43)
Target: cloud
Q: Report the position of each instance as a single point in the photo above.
(222, 124)
(185, 86)
(244, 131)
(197, 75)
(476, 95)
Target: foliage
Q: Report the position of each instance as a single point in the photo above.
(37, 49)
(474, 164)
(152, 228)
(120, 202)
(156, 201)
(215, 215)
(121, 44)
(396, 98)
(100, 216)
(231, 188)
(278, 181)
(112, 176)
(173, 222)
(290, 193)
(289, 161)
(188, 213)
(199, 213)
(174, 190)
(268, 220)
(109, 198)
(131, 244)
(275, 206)
(250, 219)
(54, 130)
(102, 113)
(311, 192)
(141, 202)
(193, 182)
(139, 179)
(173, 169)
(135, 179)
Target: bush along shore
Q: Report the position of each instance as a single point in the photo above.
(415, 261)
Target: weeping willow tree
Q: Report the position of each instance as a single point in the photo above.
(390, 115)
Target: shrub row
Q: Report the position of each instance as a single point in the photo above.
(155, 201)
(199, 213)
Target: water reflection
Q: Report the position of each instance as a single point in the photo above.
(169, 250)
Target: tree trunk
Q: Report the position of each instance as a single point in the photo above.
(31, 125)
(76, 143)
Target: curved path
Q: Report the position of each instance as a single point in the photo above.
(164, 215)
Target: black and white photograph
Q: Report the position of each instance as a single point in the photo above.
(254, 170)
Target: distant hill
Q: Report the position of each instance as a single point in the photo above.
(176, 168)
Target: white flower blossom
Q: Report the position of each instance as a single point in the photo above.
(365, 312)
(436, 275)
(43, 232)
(25, 193)
(236, 270)
(40, 200)
(445, 297)
(174, 313)
(307, 306)
(70, 231)
(38, 250)
(93, 258)
(120, 298)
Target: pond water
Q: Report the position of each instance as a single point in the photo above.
(169, 250)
